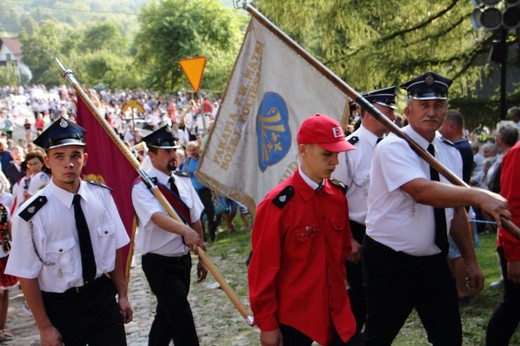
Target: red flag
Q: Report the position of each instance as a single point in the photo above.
(106, 161)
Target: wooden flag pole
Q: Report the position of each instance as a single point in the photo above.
(67, 74)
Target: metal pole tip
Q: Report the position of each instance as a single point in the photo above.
(250, 320)
(240, 3)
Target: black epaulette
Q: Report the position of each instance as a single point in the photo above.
(338, 184)
(33, 208)
(283, 197)
(447, 141)
(97, 183)
(181, 174)
(353, 140)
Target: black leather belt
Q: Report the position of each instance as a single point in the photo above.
(103, 279)
(166, 258)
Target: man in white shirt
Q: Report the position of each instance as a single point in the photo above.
(165, 243)
(354, 171)
(404, 250)
(65, 250)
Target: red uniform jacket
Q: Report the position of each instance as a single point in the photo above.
(510, 189)
(297, 270)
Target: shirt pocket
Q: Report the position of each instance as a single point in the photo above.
(361, 179)
(302, 244)
(106, 244)
(305, 233)
(340, 240)
(338, 223)
(64, 256)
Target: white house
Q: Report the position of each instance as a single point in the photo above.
(11, 50)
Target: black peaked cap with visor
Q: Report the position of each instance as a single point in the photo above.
(60, 133)
(162, 138)
(429, 86)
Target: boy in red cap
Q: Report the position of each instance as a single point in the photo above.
(300, 241)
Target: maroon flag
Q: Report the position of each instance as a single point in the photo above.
(107, 164)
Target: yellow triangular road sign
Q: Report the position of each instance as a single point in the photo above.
(193, 69)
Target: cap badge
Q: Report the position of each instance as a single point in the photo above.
(169, 129)
(337, 132)
(63, 123)
(429, 80)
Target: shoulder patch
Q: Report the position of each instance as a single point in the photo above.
(447, 141)
(181, 174)
(33, 208)
(283, 197)
(338, 184)
(353, 140)
(96, 183)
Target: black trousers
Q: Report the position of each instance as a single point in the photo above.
(169, 279)
(209, 210)
(356, 293)
(293, 337)
(506, 317)
(396, 283)
(91, 316)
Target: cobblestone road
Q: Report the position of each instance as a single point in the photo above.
(218, 322)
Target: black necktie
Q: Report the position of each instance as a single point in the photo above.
(379, 140)
(173, 187)
(88, 263)
(441, 233)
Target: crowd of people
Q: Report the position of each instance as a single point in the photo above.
(403, 238)
(32, 146)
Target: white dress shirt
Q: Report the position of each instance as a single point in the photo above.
(151, 238)
(47, 247)
(353, 170)
(394, 218)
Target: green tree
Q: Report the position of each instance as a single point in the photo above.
(10, 17)
(9, 75)
(390, 39)
(98, 54)
(102, 36)
(176, 29)
(104, 66)
(372, 44)
(49, 40)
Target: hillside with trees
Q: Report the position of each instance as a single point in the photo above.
(125, 44)
(18, 14)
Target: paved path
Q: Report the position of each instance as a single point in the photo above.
(218, 322)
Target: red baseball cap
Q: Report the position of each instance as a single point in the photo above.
(324, 131)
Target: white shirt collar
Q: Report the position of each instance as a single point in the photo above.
(161, 177)
(65, 196)
(312, 184)
(371, 138)
(418, 138)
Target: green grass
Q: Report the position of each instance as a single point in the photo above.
(475, 315)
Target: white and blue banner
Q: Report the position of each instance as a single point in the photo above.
(252, 147)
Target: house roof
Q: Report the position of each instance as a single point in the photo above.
(14, 45)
